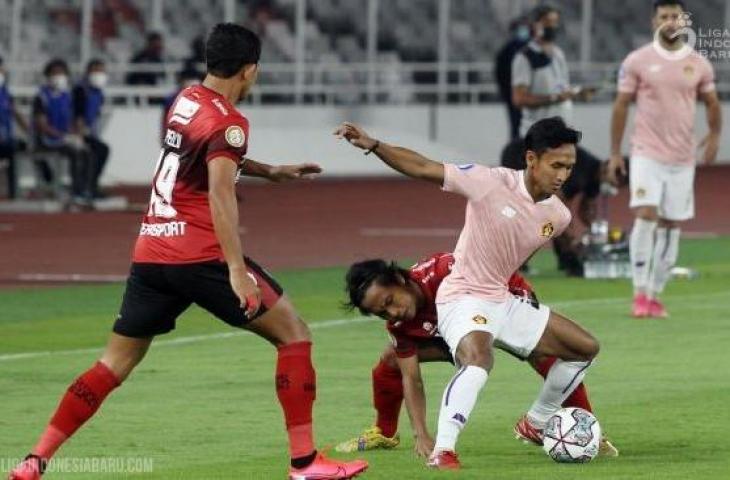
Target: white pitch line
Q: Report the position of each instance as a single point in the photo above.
(70, 277)
(320, 325)
(409, 232)
(179, 340)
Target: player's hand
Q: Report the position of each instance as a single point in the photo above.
(711, 144)
(423, 446)
(245, 288)
(616, 166)
(283, 173)
(355, 135)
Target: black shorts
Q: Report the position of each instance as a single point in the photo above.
(157, 294)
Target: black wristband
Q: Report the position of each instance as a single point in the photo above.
(374, 147)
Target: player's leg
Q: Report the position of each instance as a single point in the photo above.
(578, 398)
(677, 205)
(387, 401)
(388, 396)
(146, 311)
(468, 326)
(574, 348)
(646, 193)
(295, 378)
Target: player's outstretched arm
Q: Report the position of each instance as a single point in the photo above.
(415, 399)
(224, 211)
(280, 173)
(401, 159)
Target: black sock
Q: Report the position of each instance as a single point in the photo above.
(303, 462)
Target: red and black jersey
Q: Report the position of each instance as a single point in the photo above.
(178, 227)
(429, 274)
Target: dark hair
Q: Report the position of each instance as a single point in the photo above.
(668, 3)
(363, 274)
(55, 63)
(229, 48)
(550, 133)
(94, 62)
(542, 11)
(154, 37)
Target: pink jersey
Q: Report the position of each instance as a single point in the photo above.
(666, 96)
(503, 228)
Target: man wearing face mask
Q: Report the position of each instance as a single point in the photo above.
(540, 77)
(88, 100)
(9, 144)
(54, 129)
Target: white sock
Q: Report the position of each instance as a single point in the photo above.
(666, 250)
(457, 403)
(560, 382)
(641, 246)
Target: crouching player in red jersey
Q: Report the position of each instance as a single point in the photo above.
(189, 251)
(406, 300)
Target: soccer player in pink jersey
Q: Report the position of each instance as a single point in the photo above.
(509, 215)
(665, 78)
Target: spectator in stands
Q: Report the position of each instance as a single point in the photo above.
(54, 130)
(151, 53)
(9, 144)
(88, 100)
(185, 78)
(540, 77)
(519, 36)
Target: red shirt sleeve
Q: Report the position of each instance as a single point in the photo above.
(404, 346)
(230, 141)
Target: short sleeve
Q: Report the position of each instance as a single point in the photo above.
(470, 180)
(628, 76)
(230, 141)
(521, 71)
(404, 346)
(707, 77)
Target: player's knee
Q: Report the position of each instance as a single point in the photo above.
(591, 348)
(649, 214)
(299, 332)
(388, 357)
(476, 349)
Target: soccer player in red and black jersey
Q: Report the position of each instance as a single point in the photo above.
(189, 251)
(406, 300)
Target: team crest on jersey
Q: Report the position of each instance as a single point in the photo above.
(480, 320)
(689, 71)
(466, 166)
(547, 230)
(235, 136)
(640, 193)
(429, 327)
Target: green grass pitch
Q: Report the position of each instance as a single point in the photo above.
(205, 408)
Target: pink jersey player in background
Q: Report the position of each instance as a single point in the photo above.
(510, 214)
(665, 78)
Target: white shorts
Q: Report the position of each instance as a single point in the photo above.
(516, 324)
(670, 188)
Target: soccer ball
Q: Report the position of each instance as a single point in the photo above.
(572, 435)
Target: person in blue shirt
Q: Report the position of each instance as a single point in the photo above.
(9, 144)
(53, 126)
(88, 101)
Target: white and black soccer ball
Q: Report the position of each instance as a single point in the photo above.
(572, 435)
